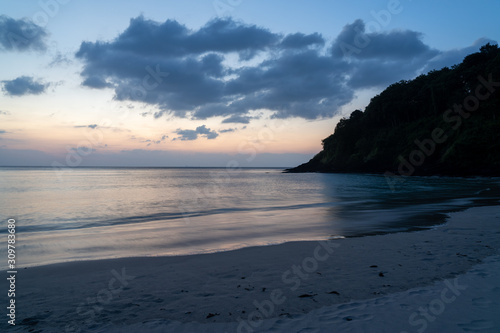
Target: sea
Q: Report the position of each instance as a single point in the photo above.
(99, 213)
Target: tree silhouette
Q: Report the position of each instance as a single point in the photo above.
(409, 111)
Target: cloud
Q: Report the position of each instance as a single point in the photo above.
(203, 130)
(147, 158)
(24, 85)
(455, 56)
(95, 82)
(174, 39)
(189, 135)
(353, 41)
(378, 59)
(229, 130)
(3, 132)
(185, 74)
(150, 142)
(21, 35)
(25, 157)
(297, 84)
(237, 119)
(156, 142)
(4, 113)
(92, 126)
(194, 74)
(83, 150)
(59, 60)
(376, 74)
(186, 135)
(299, 40)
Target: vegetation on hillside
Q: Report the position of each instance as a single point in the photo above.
(445, 122)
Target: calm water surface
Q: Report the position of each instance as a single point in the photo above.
(92, 213)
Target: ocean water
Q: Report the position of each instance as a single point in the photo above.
(94, 213)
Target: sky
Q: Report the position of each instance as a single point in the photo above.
(223, 83)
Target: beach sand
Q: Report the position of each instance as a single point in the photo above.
(443, 279)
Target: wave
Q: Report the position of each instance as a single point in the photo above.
(162, 216)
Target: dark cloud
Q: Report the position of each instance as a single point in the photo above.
(301, 84)
(95, 82)
(24, 85)
(203, 130)
(194, 74)
(3, 132)
(182, 71)
(355, 42)
(378, 59)
(21, 35)
(237, 119)
(226, 35)
(4, 113)
(174, 39)
(189, 135)
(229, 130)
(299, 40)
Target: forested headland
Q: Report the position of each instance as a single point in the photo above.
(445, 122)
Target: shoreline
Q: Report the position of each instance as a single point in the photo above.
(493, 173)
(440, 218)
(224, 287)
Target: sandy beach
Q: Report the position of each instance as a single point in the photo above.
(376, 283)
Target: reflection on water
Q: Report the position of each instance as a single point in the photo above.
(102, 213)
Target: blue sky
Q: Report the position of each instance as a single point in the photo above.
(210, 83)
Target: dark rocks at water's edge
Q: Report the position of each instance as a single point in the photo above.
(446, 122)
